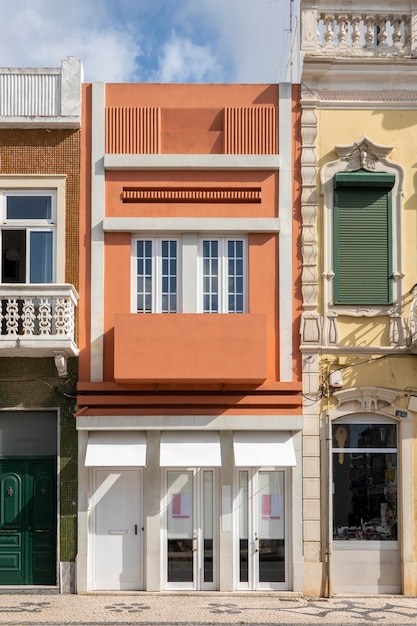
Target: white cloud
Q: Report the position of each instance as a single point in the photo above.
(252, 35)
(37, 33)
(183, 61)
(160, 40)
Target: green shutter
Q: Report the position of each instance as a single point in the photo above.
(362, 243)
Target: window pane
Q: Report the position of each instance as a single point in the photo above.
(365, 435)
(169, 277)
(13, 256)
(41, 244)
(29, 208)
(235, 274)
(364, 482)
(364, 496)
(144, 276)
(210, 276)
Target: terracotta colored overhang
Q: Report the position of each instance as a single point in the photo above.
(205, 348)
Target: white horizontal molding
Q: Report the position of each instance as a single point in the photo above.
(191, 162)
(292, 423)
(39, 122)
(192, 224)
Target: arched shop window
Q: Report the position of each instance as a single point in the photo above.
(364, 480)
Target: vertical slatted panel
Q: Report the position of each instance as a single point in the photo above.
(26, 94)
(362, 246)
(250, 130)
(133, 130)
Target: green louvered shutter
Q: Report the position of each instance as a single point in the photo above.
(362, 240)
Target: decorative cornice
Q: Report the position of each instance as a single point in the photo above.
(367, 96)
(213, 195)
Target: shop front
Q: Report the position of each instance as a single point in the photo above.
(192, 510)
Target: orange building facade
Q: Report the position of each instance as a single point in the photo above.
(189, 396)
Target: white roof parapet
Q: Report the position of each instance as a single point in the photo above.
(41, 97)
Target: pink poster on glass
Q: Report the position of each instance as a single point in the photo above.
(271, 506)
(180, 505)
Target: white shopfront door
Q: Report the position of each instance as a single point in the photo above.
(190, 531)
(118, 529)
(260, 529)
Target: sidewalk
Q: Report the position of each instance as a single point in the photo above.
(201, 609)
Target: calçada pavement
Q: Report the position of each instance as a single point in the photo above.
(202, 609)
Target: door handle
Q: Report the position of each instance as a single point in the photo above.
(136, 529)
(42, 531)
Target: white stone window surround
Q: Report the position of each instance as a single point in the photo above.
(189, 269)
(363, 154)
(38, 184)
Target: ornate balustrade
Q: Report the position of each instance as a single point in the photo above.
(380, 31)
(37, 321)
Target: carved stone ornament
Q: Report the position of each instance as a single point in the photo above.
(365, 400)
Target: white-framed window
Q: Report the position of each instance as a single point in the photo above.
(157, 275)
(28, 236)
(365, 479)
(193, 274)
(223, 275)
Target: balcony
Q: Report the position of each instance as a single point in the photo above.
(357, 31)
(189, 348)
(38, 321)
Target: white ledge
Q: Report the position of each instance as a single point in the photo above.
(22, 121)
(192, 224)
(191, 161)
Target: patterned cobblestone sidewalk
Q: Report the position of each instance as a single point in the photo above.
(202, 610)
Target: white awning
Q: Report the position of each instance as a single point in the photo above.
(190, 449)
(272, 449)
(116, 449)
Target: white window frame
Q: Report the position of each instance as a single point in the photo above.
(223, 272)
(31, 185)
(156, 269)
(372, 419)
(189, 271)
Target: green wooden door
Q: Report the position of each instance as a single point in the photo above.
(28, 522)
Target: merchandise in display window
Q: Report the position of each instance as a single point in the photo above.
(365, 482)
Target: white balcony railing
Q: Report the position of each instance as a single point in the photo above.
(331, 29)
(38, 320)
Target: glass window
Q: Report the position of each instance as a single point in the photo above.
(28, 237)
(365, 482)
(223, 276)
(156, 275)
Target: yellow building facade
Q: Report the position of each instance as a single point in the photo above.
(358, 332)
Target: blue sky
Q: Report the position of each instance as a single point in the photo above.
(204, 41)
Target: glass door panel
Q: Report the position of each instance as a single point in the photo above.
(180, 527)
(207, 530)
(270, 523)
(260, 522)
(243, 506)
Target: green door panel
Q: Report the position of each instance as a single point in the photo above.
(28, 522)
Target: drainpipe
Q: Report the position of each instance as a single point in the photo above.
(329, 496)
(328, 490)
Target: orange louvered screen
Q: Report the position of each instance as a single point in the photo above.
(133, 130)
(250, 130)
